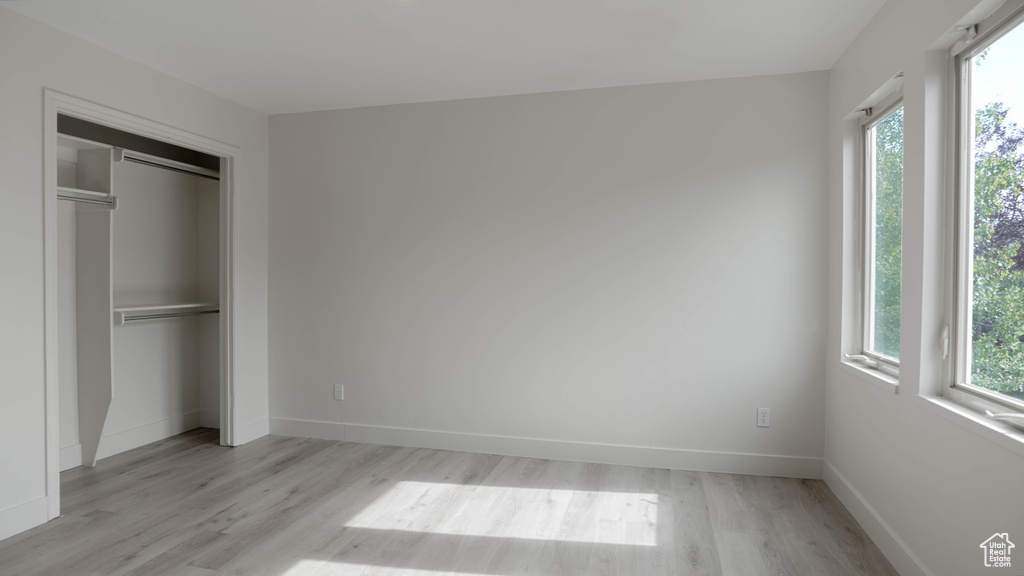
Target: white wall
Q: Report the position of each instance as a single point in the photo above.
(928, 485)
(630, 268)
(33, 57)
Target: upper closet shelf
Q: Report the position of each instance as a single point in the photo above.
(69, 149)
(82, 167)
(74, 143)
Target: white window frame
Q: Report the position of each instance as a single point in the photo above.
(981, 400)
(871, 117)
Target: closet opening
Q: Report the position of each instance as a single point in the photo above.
(138, 278)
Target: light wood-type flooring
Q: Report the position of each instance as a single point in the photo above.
(299, 507)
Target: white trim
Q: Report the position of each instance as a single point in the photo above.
(957, 388)
(307, 429)
(230, 219)
(869, 230)
(253, 430)
(962, 223)
(888, 541)
(113, 118)
(55, 103)
(874, 376)
(869, 226)
(70, 457)
(650, 457)
(991, 28)
(51, 358)
(23, 517)
(858, 236)
(959, 414)
(132, 438)
(886, 105)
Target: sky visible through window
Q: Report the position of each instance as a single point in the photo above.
(1001, 75)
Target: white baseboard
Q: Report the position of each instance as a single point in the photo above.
(209, 419)
(674, 459)
(146, 434)
(70, 457)
(22, 517)
(895, 549)
(253, 430)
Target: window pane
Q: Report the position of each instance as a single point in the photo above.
(888, 234)
(997, 306)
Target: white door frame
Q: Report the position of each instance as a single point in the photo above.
(55, 103)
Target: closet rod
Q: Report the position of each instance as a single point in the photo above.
(110, 203)
(171, 168)
(154, 161)
(128, 318)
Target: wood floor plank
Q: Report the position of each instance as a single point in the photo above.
(807, 540)
(393, 527)
(691, 538)
(301, 507)
(177, 558)
(322, 532)
(20, 554)
(146, 536)
(825, 510)
(748, 545)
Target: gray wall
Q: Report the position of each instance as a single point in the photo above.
(581, 275)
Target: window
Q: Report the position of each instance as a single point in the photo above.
(882, 143)
(989, 218)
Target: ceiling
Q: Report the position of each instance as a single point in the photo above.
(304, 55)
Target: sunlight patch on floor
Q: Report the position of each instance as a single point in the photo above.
(326, 568)
(592, 517)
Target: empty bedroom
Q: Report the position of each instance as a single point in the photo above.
(484, 288)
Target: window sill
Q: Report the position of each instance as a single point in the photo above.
(885, 381)
(1003, 434)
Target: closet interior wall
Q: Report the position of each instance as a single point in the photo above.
(158, 248)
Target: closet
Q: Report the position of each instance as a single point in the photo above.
(138, 260)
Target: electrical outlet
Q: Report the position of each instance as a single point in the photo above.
(339, 391)
(763, 417)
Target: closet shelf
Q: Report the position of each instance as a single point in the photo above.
(123, 314)
(76, 143)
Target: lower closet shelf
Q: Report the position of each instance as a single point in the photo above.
(126, 314)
